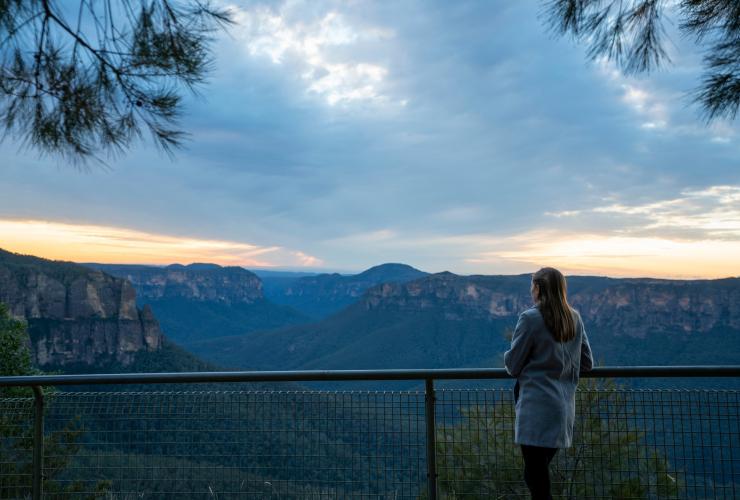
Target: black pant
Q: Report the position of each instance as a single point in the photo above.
(537, 470)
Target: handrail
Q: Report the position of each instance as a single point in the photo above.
(348, 375)
(37, 382)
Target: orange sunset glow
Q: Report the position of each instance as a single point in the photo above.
(574, 253)
(105, 244)
(619, 256)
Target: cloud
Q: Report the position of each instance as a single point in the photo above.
(696, 234)
(614, 255)
(648, 105)
(309, 48)
(711, 213)
(103, 244)
(505, 132)
(574, 252)
(660, 105)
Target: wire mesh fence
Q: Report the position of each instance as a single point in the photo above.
(245, 444)
(366, 444)
(627, 444)
(16, 445)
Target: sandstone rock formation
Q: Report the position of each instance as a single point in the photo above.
(632, 307)
(76, 315)
(200, 282)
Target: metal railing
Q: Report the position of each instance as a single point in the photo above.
(427, 443)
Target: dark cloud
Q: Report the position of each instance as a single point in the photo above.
(479, 124)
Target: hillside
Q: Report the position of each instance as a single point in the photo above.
(325, 294)
(76, 315)
(82, 320)
(196, 282)
(445, 320)
(202, 301)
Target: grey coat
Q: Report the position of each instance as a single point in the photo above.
(547, 373)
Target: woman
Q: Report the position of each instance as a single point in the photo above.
(548, 351)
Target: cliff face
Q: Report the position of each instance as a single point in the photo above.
(460, 297)
(637, 307)
(199, 282)
(447, 321)
(74, 314)
(633, 307)
(202, 301)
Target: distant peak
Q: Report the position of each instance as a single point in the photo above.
(445, 274)
(195, 266)
(391, 267)
(391, 272)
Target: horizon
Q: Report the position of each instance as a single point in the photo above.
(461, 136)
(345, 272)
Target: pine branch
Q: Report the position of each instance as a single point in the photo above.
(95, 96)
(630, 33)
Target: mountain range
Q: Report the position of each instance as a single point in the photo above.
(325, 294)
(390, 316)
(444, 320)
(201, 301)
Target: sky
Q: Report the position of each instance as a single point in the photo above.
(459, 136)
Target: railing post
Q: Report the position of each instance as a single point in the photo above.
(38, 443)
(429, 399)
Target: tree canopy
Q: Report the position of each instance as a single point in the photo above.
(84, 79)
(15, 354)
(16, 429)
(632, 34)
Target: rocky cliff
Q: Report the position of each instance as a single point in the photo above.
(446, 321)
(201, 301)
(633, 307)
(198, 282)
(459, 296)
(76, 315)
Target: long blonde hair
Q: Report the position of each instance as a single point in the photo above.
(553, 303)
